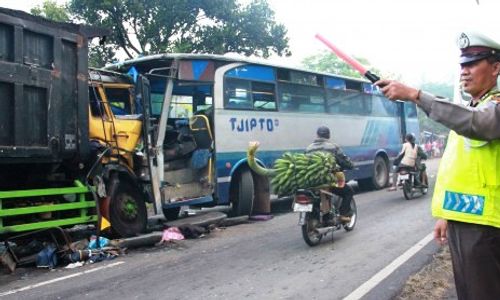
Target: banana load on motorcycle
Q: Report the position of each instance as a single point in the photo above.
(311, 178)
(295, 171)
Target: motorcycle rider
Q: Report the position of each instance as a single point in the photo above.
(322, 143)
(410, 156)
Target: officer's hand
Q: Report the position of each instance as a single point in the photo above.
(395, 90)
(440, 229)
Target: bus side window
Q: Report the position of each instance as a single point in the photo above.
(263, 96)
(237, 94)
(297, 97)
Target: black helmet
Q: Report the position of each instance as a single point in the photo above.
(323, 132)
(410, 137)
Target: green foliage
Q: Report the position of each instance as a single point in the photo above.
(51, 10)
(440, 89)
(142, 27)
(330, 63)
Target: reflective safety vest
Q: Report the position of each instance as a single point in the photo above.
(468, 182)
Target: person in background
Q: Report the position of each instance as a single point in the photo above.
(408, 156)
(322, 143)
(466, 197)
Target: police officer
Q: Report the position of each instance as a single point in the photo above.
(467, 192)
(322, 143)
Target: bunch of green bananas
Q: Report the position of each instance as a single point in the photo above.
(298, 171)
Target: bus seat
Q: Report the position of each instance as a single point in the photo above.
(201, 132)
(200, 158)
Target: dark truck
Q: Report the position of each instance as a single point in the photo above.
(62, 156)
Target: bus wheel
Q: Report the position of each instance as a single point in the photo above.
(380, 173)
(380, 176)
(242, 194)
(171, 213)
(127, 210)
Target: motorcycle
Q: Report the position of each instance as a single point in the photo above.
(319, 214)
(409, 185)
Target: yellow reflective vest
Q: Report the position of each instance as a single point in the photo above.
(468, 182)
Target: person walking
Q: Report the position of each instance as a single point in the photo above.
(466, 197)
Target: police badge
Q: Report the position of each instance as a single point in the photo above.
(463, 41)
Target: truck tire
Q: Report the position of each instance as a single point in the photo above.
(127, 209)
(242, 194)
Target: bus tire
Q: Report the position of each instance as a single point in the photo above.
(127, 209)
(171, 214)
(380, 177)
(242, 194)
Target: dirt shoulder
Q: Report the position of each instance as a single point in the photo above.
(434, 281)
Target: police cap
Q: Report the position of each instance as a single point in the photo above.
(476, 46)
(323, 132)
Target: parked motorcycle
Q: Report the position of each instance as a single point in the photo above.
(319, 214)
(410, 186)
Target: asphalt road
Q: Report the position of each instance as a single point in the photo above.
(261, 260)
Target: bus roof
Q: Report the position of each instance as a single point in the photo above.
(123, 66)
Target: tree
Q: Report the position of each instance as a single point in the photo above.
(141, 27)
(51, 10)
(330, 63)
(440, 89)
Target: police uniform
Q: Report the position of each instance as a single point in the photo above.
(467, 190)
(481, 122)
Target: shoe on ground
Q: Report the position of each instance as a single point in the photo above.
(392, 188)
(345, 219)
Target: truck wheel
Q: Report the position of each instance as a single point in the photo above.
(127, 209)
(171, 213)
(242, 194)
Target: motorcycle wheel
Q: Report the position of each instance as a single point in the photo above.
(424, 190)
(309, 233)
(350, 226)
(407, 190)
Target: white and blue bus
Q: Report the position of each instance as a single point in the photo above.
(217, 104)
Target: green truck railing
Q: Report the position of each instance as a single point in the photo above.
(16, 219)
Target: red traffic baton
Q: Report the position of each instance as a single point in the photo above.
(349, 60)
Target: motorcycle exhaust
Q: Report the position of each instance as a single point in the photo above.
(325, 230)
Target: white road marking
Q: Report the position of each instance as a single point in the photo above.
(32, 286)
(385, 272)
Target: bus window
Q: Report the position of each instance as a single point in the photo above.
(237, 94)
(382, 107)
(181, 106)
(410, 110)
(243, 94)
(263, 96)
(348, 103)
(294, 97)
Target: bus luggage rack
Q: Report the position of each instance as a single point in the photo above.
(25, 210)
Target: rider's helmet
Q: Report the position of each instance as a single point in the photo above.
(323, 132)
(410, 137)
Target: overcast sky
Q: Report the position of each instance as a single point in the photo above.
(414, 38)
